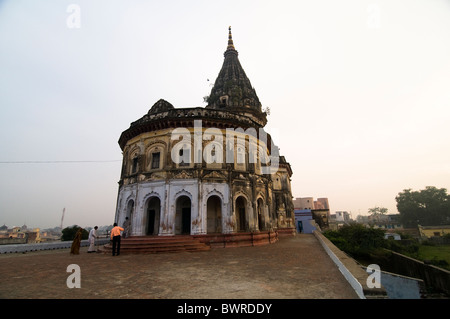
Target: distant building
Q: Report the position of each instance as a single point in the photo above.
(388, 222)
(321, 203)
(362, 219)
(343, 216)
(433, 231)
(304, 203)
(394, 236)
(50, 235)
(19, 235)
(339, 219)
(318, 210)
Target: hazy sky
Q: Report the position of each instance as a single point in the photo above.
(358, 91)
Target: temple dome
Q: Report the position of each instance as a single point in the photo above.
(160, 106)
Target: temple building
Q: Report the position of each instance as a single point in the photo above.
(205, 170)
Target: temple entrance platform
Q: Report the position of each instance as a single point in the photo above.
(192, 243)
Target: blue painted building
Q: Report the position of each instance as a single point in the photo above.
(303, 219)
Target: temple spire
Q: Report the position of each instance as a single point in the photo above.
(232, 89)
(230, 40)
(230, 47)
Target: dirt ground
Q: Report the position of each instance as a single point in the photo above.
(293, 268)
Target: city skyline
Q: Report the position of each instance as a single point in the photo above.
(357, 91)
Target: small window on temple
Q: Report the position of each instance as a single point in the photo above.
(223, 101)
(185, 157)
(155, 160)
(135, 165)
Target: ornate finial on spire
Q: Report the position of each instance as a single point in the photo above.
(230, 39)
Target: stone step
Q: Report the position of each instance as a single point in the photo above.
(179, 243)
(157, 239)
(157, 244)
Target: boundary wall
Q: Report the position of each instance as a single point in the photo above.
(351, 270)
(22, 248)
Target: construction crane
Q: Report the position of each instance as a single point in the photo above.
(62, 218)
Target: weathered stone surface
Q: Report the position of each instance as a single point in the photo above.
(295, 267)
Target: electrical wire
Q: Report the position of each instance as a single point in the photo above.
(57, 162)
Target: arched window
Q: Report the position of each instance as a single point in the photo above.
(134, 165)
(156, 157)
(185, 155)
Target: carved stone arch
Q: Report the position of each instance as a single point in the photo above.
(261, 196)
(133, 159)
(214, 211)
(212, 193)
(150, 148)
(128, 209)
(260, 211)
(241, 193)
(133, 151)
(219, 148)
(241, 210)
(177, 145)
(132, 196)
(183, 192)
(183, 212)
(151, 208)
(155, 144)
(214, 175)
(152, 142)
(148, 196)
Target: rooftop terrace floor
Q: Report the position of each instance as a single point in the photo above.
(293, 268)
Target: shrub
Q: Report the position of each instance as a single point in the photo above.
(357, 239)
(69, 233)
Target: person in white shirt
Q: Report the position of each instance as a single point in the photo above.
(92, 237)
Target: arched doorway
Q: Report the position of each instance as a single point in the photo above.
(240, 212)
(153, 213)
(183, 216)
(130, 208)
(260, 211)
(129, 214)
(214, 214)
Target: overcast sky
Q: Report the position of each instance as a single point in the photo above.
(358, 91)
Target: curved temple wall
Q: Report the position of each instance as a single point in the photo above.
(200, 171)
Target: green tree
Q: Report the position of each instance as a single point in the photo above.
(427, 207)
(357, 239)
(378, 210)
(68, 233)
(365, 243)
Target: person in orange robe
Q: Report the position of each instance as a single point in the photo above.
(75, 249)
